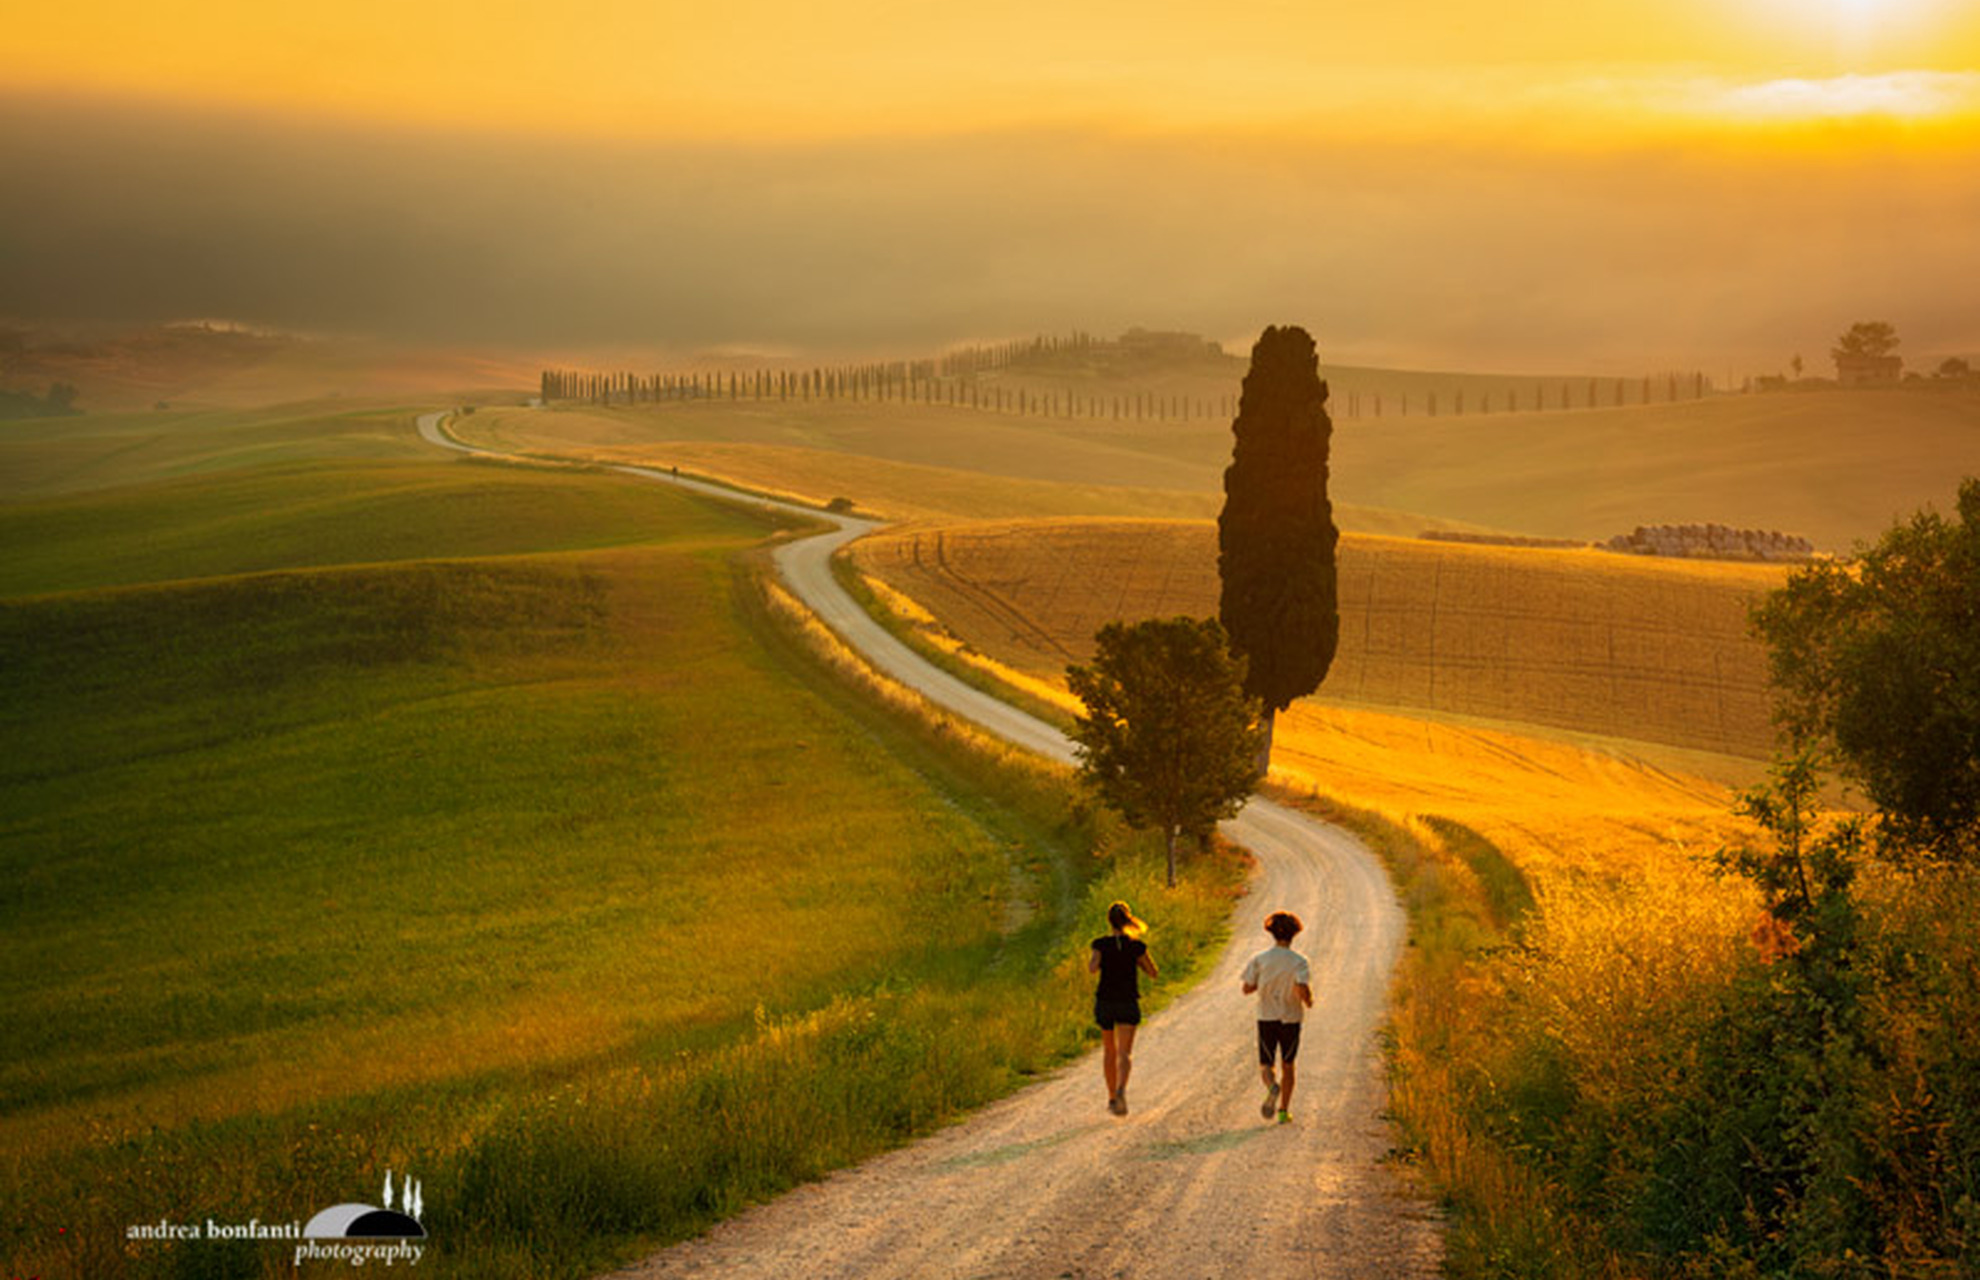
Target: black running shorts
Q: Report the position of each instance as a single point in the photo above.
(1112, 1013)
(1281, 1038)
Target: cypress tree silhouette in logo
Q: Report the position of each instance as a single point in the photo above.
(369, 1222)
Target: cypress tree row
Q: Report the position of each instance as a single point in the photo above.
(1276, 536)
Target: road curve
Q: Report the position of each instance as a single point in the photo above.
(1193, 1183)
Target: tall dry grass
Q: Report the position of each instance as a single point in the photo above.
(1635, 1072)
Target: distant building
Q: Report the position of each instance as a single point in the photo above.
(1868, 371)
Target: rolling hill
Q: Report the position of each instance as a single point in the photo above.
(362, 807)
(1832, 466)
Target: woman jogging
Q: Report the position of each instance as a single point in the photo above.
(1117, 1000)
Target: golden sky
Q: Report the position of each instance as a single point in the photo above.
(792, 68)
(1522, 185)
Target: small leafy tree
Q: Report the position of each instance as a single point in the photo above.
(1789, 1053)
(1805, 871)
(1169, 738)
(1867, 338)
(1881, 660)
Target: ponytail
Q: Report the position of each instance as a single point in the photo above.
(1121, 918)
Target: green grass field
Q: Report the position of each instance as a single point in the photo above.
(46, 456)
(300, 514)
(479, 822)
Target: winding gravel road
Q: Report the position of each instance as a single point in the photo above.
(1193, 1183)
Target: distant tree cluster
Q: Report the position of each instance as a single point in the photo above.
(1866, 356)
(900, 381)
(989, 357)
(992, 377)
(1711, 542)
(1137, 348)
(59, 402)
(1496, 396)
(1869, 338)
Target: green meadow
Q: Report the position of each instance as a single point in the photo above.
(365, 809)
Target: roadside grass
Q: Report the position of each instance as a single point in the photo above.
(1604, 1068)
(1443, 1044)
(921, 631)
(568, 882)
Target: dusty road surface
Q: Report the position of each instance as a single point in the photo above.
(1193, 1182)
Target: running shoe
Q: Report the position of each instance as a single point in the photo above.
(1271, 1103)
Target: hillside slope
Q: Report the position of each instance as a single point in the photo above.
(1831, 466)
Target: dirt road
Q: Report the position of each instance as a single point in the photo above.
(1193, 1182)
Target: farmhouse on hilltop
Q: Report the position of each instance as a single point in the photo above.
(1867, 371)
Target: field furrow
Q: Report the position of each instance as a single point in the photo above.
(1579, 640)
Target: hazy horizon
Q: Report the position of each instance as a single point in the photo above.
(1611, 187)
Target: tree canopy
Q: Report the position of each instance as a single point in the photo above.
(1867, 338)
(1276, 536)
(1880, 661)
(1169, 737)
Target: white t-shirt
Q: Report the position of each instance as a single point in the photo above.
(1275, 971)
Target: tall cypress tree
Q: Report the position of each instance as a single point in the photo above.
(1276, 534)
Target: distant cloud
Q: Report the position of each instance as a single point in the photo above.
(1904, 95)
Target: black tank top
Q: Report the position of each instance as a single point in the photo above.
(1118, 957)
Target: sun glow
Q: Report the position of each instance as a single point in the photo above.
(1915, 96)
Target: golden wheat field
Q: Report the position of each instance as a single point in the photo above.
(1564, 812)
(1584, 641)
(1583, 820)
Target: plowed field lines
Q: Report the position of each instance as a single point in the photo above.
(1580, 640)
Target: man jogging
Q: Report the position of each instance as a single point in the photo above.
(1279, 975)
